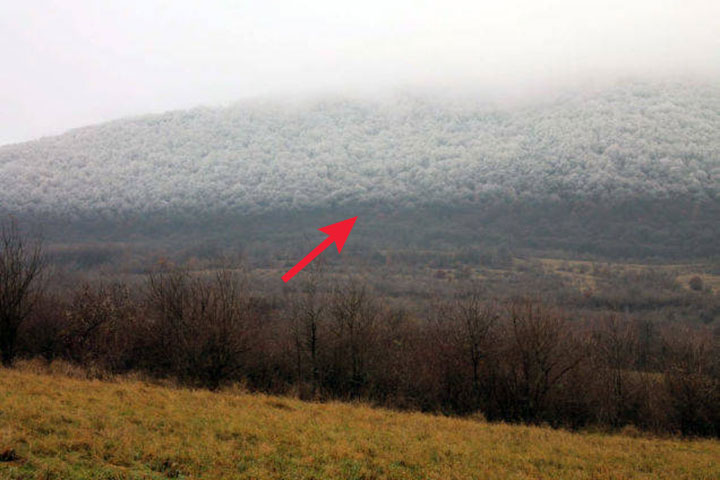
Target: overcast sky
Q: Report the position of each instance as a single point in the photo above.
(69, 63)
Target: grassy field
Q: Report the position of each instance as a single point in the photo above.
(54, 426)
(581, 273)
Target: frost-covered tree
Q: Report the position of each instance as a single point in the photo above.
(632, 141)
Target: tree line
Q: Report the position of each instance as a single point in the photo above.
(517, 359)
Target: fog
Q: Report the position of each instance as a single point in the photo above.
(71, 63)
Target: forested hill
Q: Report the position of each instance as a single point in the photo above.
(635, 143)
(632, 141)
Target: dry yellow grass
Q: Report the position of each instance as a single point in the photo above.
(574, 276)
(711, 281)
(69, 428)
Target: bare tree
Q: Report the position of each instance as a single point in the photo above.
(308, 313)
(466, 324)
(202, 324)
(615, 344)
(541, 352)
(98, 325)
(169, 296)
(228, 321)
(21, 266)
(475, 319)
(694, 394)
(354, 314)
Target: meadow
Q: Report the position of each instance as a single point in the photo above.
(55, 423)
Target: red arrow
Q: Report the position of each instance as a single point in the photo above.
(337, 232)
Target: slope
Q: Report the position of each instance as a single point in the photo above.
(59, 427)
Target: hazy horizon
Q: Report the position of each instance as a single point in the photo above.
(69, 64)
(72, 64)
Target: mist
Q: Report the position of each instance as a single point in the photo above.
(73, 63)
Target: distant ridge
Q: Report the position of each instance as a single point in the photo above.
(634, 140)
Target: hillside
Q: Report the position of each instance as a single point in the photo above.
(59, 427)
(630, 170)
(634, 140)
